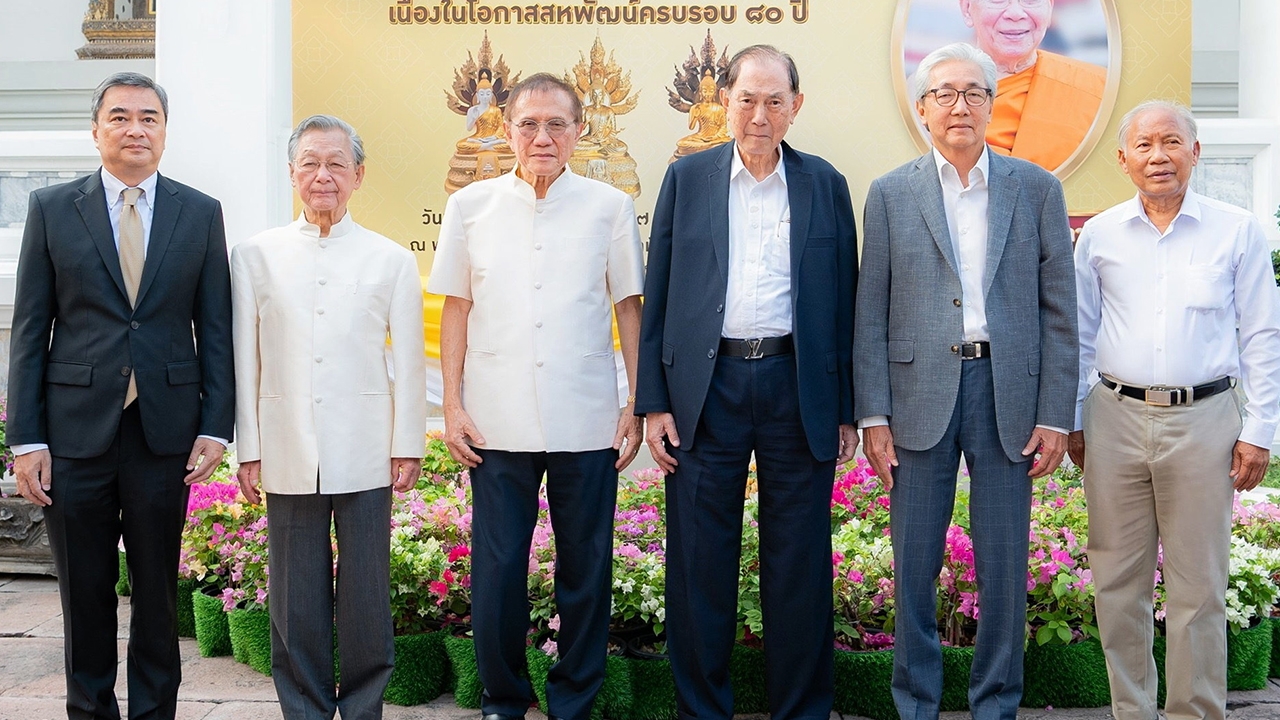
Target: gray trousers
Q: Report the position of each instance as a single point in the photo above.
(304, 604)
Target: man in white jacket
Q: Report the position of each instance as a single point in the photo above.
(327, 422)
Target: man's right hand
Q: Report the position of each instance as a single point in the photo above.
(1075, 447)
(660, 428)
(459, 433)
(247, 474)
(34, 471)
(877, 445)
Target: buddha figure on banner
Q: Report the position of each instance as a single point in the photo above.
(606, 93)
(697, 92)
(480, 90)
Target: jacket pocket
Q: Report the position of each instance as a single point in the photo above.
(68, 373)
(668, 354)
(902, 351)
(184, 373)
(1033, 362)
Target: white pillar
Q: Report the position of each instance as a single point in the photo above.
(1259, 59)
(228, 69)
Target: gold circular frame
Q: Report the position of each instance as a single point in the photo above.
(1100, 121)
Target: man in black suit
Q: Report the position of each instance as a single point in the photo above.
(121, 390)
(745, 346)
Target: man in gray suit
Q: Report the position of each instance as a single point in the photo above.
(965, 336)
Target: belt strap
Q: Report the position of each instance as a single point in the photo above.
(1166, 395)
(756, 348)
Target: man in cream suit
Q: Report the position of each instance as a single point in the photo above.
(965, 336)
(329, 424)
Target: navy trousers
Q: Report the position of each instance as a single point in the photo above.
(582, 488)
(752, 405)
(921, 502)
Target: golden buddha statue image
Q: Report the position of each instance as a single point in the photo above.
(480, 91)
(697, 92)
(606, 93)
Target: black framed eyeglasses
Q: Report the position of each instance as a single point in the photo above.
(973, 97)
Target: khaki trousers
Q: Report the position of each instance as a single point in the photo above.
(1160, 475)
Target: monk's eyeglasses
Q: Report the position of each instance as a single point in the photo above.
(973, 97)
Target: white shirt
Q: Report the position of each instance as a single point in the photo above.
(114, 188)
(1163, 308)
(966, 209)
(323, 400)
(542, 276)
(758, 298)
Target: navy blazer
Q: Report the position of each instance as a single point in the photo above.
(687, 280)
(76, 339)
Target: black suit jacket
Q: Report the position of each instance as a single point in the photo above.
(75, 337)
(686, 285)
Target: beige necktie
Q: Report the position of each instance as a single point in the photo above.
(132, 257)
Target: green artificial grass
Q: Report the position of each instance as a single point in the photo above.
(1275, 647)
(420, 669)
(250, 632)
(213, 636)
(122, 583)
(462, 659)
(1272, 477)
(863, 684)
(1065, 675)
(615, 698)
(746, 674)
(186, 618)
(957, 663)
(1249, 657)
(653, 691)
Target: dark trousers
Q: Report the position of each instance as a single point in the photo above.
(132, 493)
(582, 488)
(921, 503)
(752, 405)
(304, 605)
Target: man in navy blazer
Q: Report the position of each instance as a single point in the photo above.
(121, 391)
(745, 347)
(966, 344)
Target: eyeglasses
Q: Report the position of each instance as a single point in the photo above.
(309, 167)
(947, 97)
(556, 128)
(1002, 4)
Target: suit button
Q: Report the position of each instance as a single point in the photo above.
(956, 302)
(711, 353)
(126, 370)
(955, 348)
(135, 324)
(720, 308)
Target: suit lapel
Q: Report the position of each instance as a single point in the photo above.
(164, 216)
(927, 190)
(92, 206)
(718, 203)
(1002, 194)
(800, 200)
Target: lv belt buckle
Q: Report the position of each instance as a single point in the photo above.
(754, 345)
(1162, 396)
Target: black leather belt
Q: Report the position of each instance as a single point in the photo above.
(756, 348)
(972, 350)
(1167, 396)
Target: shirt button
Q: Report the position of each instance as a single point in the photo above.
(541, 209)
(538, 246)
(319, 359)
(539, 363)
(135, 324)
(319, 400)
(537, 286)
(711, 353)
(755, 209)
(538, 324)
(964, 231)
(323, 281)
(319, 311)
(956, 302)
(323, 244)
(126, 370)
(966, 266)
(755, 224)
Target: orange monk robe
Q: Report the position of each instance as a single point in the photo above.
(1043, 113)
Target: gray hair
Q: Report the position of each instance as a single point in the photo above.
(955, 51)
(762, 52)
(542, 83)
(129, 79)
(1178, 110)
(323, 123)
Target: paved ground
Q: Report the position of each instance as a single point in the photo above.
(32, 685)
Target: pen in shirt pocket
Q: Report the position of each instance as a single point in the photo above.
(784, 227)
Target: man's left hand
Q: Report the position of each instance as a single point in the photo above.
(627, 440)
(405, 473)
(203, 460)
(848, 444)
(1051, 445)
(1248, 465)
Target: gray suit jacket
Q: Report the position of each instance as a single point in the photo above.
(908, 316)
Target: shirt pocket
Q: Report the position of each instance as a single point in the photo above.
(1207, 287)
